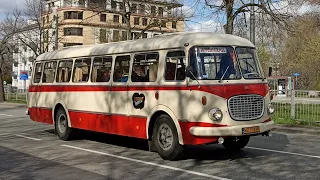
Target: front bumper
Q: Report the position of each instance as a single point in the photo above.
(229, 130)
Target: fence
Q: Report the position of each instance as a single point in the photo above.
(16, 97)
(299, 105)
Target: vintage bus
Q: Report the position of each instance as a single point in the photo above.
(172, 90)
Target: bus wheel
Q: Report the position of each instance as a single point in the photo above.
(165, 138)
(236, 143)
(61, 125)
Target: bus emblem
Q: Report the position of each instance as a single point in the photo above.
(246, 88)
(138, 100)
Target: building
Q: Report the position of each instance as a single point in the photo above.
(23, 56)
(82, 22)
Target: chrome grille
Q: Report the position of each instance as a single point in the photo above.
(246, 107)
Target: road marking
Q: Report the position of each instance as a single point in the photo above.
(4, 134)
(6, 115)
(284, 152)
(149, 163)
(19, 135)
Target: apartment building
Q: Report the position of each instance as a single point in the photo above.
(82, 22)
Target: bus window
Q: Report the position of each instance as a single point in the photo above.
(49, 72)
(145, 67)
(37, 73)
(175, 66)
(81, 70)
(64, 71)
(101, 70)
(121, 69)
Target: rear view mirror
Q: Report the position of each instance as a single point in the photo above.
(270, 71)
(189, 71)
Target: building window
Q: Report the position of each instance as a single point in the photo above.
(113, 5)
(49, 72)
(115, 18)
(145, 67)
(142, 9)
(101, 70)
(103, 36)
(124, 20)
(103, 17)
(175, 66)
(153, 10)
(73, 31)
(144, 21)
(160, 11)
(163, 23)
(156, 22)
(73, 15)
(81, 70)
(174, 25)
(121, 6)
(136, 21)
(115, 35)
(124, 36)
(72, 44)
(134, 8)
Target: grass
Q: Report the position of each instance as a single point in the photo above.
(18, 101)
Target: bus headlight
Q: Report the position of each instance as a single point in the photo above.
(270, 108)
(215, 114)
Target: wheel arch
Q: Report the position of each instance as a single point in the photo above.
(60, 104)
(156, 112)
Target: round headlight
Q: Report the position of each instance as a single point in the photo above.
(215, 114)
(270, 108)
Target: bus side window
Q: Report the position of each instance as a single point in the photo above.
(49, 72)
(101, 71)
(37, 73)
(121, 69)
(81, 70)
(175, 66)
(64, 71)
(145, 67)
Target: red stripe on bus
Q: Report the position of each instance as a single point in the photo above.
(194, 140)
(225, 91)
(41, 115)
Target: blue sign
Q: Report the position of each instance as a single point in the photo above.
(24, 76)
(296, 74)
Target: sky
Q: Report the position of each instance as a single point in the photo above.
(199, 18)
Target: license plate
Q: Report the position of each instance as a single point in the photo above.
(250, 130)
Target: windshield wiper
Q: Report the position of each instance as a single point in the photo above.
(224, 74)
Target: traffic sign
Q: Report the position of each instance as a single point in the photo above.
(24, 77)
(296, 74)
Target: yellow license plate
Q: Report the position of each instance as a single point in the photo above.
(250, 130)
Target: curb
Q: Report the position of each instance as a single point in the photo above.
(13, 104)
(296, 129)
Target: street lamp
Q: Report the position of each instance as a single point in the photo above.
(195, 22)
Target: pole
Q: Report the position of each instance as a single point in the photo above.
(252, 23)
(57, 30)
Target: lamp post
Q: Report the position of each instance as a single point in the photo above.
(195, 22)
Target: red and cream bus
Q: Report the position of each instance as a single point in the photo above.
(173, 90)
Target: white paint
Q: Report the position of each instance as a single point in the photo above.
(149, 163)
(36, 139)
(284, 152)
(6, 115)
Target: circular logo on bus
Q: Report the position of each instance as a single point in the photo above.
(138, 100)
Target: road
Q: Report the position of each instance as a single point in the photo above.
(30, 150)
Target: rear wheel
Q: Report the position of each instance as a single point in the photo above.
(236, 143)
(61, 125)
(165, 138)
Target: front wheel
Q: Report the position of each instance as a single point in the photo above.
(165, 139)
(61, 125)
(236, 143)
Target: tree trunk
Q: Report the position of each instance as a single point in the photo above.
(229, 12)
(2, 95)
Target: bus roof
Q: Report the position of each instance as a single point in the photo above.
(166, 41)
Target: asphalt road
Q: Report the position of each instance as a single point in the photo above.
(30, 150)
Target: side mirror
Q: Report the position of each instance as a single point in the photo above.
(270, 71)
(189, 71)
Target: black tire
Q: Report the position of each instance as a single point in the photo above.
(62, 128)
(175, 150)
(236, 143)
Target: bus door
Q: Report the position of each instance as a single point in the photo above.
(119, 99)
(34, 99)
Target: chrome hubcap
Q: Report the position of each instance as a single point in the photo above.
(165, 137)
(62, 123)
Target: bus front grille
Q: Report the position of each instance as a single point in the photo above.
(246, 107)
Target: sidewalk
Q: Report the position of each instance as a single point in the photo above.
(297, 129)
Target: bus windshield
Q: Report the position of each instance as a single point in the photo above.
(215, 63)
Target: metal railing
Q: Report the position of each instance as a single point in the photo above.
(16, 97)
(300, 105)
